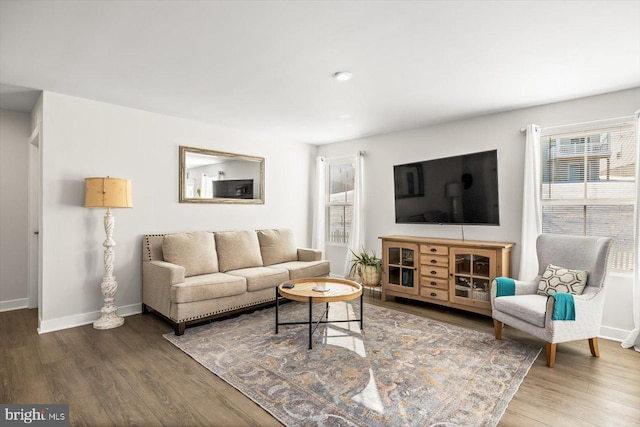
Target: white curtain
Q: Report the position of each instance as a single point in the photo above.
(531, 207)
(633, 340)
(319, 196)
(356, 237)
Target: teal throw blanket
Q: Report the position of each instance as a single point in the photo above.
(505, 287)
(564, 307)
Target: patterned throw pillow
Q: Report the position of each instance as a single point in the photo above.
(559, 279)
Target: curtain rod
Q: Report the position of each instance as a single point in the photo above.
(619, 119)
(360, 153)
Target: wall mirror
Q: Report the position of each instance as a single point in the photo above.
(208, 176)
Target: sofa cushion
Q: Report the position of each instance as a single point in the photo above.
(259, 278)
(559, 279)
(307, 254)
(277, 246)
(301, 270)
(528, 308)
(208, 286)
(196, 252)
(238, 249)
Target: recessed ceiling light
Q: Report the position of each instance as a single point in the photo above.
(342, 76)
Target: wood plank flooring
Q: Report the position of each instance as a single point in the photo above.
(133, 376)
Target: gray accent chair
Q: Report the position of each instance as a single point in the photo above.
(532, 313)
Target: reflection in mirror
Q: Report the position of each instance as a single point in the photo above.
(208, 176)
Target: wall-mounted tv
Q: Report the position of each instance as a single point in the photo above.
(452, 190)
(233, 188)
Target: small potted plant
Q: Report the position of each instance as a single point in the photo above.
(368, 267)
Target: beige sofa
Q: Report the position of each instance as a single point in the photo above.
(191, 277)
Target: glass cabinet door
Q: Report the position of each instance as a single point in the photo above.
(481, 277)
(473, 271)
(401, 267)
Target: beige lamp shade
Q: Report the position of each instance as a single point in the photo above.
(108, 193)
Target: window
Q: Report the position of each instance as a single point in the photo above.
(588, 187)
(340, 183)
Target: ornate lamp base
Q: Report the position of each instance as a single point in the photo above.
(109, 318)
(108, 321)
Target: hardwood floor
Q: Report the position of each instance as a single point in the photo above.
(133, 376)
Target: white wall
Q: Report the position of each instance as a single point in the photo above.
(499, 131)
(83, 138)
(14, 192)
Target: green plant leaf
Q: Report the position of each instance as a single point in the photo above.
(363, 258)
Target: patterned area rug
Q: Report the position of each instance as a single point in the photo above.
(401, 370)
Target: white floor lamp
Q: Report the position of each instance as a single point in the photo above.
(108, 193)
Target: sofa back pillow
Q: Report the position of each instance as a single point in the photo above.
(238, 249)
(277, 246)
(196, 252)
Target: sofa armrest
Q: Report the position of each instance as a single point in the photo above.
(522, 288)
(586, 305)
(306, 254)
(588, 309)
(157, 279)
(163, 272)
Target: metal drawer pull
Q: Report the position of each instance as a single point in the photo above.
(434, 250)
(434, 272)
(433, 294)
(433, 261)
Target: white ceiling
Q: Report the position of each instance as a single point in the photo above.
(266, 66)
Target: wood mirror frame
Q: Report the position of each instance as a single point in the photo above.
(208, 176)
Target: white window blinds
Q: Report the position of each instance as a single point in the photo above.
(588, 186)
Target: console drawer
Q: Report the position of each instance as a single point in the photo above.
(439, 294)
(434, 271)
(434, 249)
(428, 260)
(432, 282)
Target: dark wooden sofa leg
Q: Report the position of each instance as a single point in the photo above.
(497, 327)
(179, 328)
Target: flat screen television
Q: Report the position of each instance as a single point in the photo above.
(452, 190)
(233, 188)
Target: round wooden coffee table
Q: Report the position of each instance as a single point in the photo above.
(307, 290)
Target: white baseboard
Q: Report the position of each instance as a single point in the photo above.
(14, 304)
(613, 334)
(83, 319)
(606, 332)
